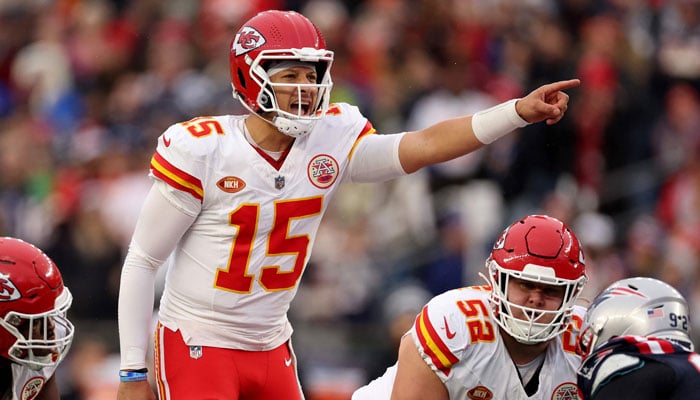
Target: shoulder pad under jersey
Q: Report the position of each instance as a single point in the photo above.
(612, 366)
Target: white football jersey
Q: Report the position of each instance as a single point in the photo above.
(27, 383)
(235, 271)
(458, 337)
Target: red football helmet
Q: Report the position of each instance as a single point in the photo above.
(278, 36)
(34, 329)
(540, 249)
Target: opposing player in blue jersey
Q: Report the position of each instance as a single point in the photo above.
(636, 343)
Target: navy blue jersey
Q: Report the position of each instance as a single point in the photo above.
(639, 368)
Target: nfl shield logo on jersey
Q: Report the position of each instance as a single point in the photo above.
(279, 182)
(195, 352)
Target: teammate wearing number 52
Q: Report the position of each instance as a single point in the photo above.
(237, 200)
(514, 338)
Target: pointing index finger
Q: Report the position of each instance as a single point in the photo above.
(562, 85)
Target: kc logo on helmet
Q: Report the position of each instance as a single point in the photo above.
(246, 40)
(501, 242)
(8, 290)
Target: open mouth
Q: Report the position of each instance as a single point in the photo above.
(301, 109)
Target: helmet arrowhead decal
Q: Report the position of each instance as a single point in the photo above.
(246, 40)
(8, 290)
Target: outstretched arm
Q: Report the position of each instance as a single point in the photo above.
(455, 137)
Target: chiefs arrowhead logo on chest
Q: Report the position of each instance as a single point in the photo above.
(231, 184)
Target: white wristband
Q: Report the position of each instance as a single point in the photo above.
(492, 123)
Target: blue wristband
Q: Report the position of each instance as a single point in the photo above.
(132, 376)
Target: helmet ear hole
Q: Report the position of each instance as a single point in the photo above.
(265, 101)
(241, 78)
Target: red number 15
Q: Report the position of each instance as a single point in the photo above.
(236, 278)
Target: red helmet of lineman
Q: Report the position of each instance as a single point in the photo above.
(34, 330)
(259, 49)
(540, 249)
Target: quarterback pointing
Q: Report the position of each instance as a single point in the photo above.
(236, 203)
(513, 339)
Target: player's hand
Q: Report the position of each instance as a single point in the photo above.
(135, 391)
(546, 103)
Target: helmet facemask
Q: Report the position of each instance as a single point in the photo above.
(589, 338)
(42, 339)
(302, 122)
(534, 325)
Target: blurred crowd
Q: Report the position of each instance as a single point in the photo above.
(86, 87)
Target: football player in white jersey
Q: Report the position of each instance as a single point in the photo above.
(236, 203)
(514, 338)
(35, 334)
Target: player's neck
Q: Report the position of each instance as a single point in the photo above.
(520, 353)
(267, 136)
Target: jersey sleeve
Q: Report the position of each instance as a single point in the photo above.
(372, 157)
(376, 159)
(448, 325)
(179, 162)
